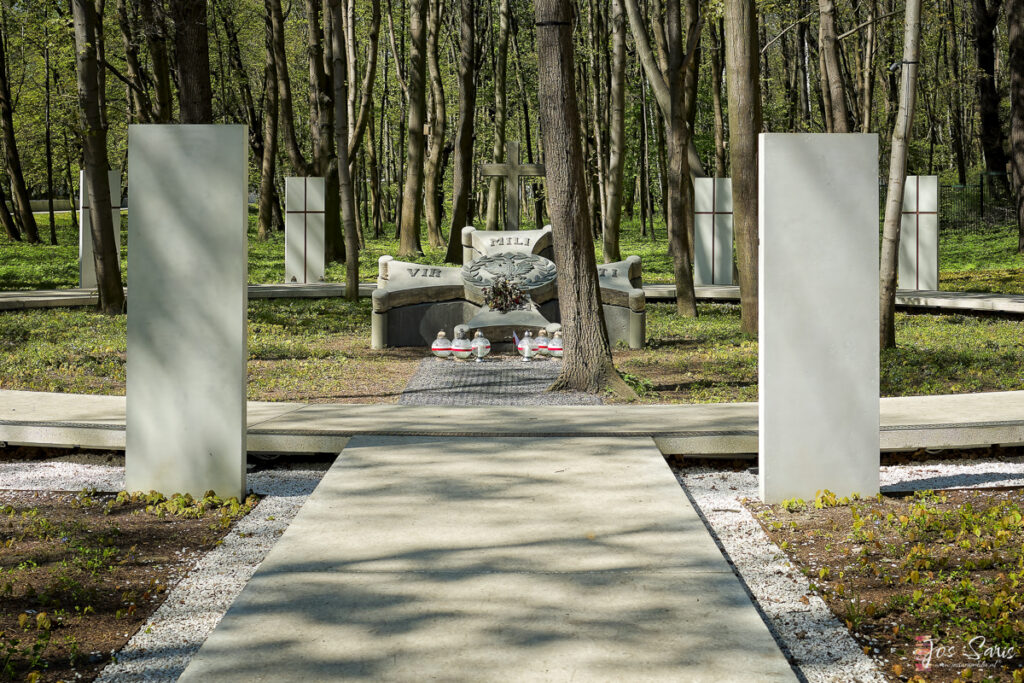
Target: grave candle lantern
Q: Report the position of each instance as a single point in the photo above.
(526, 347)
(441, 347)
(481, 346)
(461, 347)
(555, 345)
(541, 343)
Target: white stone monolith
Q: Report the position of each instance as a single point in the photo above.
(818, 317)
(187, 309)
(919, 234)
(304, 253)
(86, 265)
(712, 231)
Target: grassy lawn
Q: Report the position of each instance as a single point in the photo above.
(983, 262)
(318, 350)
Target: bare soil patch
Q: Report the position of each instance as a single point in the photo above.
(928, 584)
(81, 572)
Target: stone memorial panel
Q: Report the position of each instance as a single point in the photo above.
(186, 411)
(304, 246)
(712, 232)
(919, 234)
(818, 318)
(477, 243)
(86, 265)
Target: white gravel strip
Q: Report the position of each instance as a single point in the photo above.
(815, 639)
(818, 644)
(165, 644)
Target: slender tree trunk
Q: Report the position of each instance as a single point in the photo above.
(897, 176)
(986, 17)
(269, 160)
(341, 128)
(156, 44)
(1015, 30)
(956, 109)
(412, 203)
(616, 134)
(538, 199)
(19, 191)
(49, 140)
(494, 191)
(832, 67)
(462, 175)
(587, 363)
(744, 91)
(717, 60)
(139, 105)
(106, 258)
(438, 121)
(192, 50)
(868, 72)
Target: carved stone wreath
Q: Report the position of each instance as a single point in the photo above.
(527, 271)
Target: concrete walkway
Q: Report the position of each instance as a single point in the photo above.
(1012, 304)
(510, 559)
(724, 429)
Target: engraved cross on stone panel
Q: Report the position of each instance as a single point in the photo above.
(513, 172)
(304, 230)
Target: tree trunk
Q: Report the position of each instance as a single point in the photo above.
(341, 128)
(192, 50)
(432, 181)
(717, 59)
(986, 17)
(140, 108)
(105, 256)
(462, 174)
(494, 191)
(412, 199)
(897, 176)
(269, 160)
(833, 72)
(616, 135)
(669, 88)
(156, 43)
(19, 191)
(956, 109)
(1015, 26)
(49, 140)
(587, 362)
(744, 92)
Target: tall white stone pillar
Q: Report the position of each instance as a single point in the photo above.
(818, 317)
(187, 309)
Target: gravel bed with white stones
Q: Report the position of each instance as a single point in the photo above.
(812, 637)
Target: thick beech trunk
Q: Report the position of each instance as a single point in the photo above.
(192, 52)
(587, 362)
(744, 91)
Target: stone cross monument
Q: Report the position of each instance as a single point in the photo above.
(513, 172)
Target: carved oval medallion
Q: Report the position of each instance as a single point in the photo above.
(528, 271)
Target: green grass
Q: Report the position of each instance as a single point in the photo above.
(984, 262)
(709, 360)
(318, 349)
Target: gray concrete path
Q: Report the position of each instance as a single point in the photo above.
(905, 299)
(510, 559)
(954, 421)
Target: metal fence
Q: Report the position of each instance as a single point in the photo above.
(982, 206)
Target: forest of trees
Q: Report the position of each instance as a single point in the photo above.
(413, 95)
